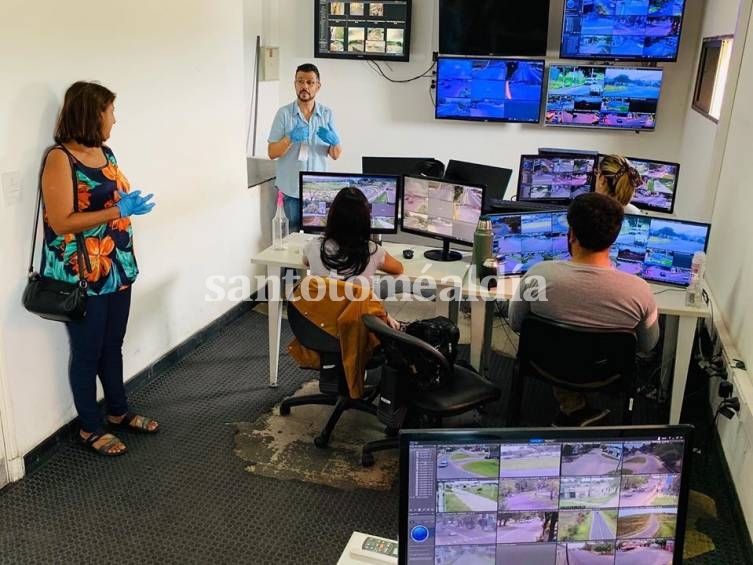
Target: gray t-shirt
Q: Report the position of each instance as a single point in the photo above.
(313, 256)
(583, 295)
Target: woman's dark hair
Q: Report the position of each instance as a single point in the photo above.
(349, 227)
(595, 220)
(80, 118)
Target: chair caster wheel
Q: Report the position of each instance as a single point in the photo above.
(284, 410)
(320, 442)
(367, 460)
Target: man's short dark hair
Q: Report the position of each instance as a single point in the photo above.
(308, 68)
(80, 118)
(595, 220)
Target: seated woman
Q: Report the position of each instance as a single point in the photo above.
(616, 177)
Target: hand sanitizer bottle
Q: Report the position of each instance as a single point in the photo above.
(279, 225)
(694, 294)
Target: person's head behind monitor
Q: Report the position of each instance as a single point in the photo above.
(349, 227)
(616, 177)
(594, 222)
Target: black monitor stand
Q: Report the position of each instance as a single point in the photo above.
(443, 254)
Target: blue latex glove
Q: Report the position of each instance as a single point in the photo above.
(328, 135)
(132, 203)
(299, 134)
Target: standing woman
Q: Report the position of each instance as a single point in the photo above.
(104, 204)
(616, 177)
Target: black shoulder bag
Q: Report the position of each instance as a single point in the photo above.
(49, 298)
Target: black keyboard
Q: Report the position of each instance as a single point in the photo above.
(503, 206)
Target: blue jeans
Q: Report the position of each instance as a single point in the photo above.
(292, 207)
(96, 343)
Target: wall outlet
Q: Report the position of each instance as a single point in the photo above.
(11, 183)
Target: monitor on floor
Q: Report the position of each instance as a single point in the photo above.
(318, 190)
(658, 250)
(441, 209)
(544, 496)
(555, 177)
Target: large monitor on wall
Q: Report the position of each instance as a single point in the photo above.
(659, 189)
(494, 179)
(441, 209)
(626, 30)
(493, 27)
(362, 30)
(544, 496)
(318, 190)
(555, 177)
(489, 90)
(603, 97)
(656, 249)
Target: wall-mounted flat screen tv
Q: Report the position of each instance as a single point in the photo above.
(493, 27)
(603, 97)
(489, 89)
(621, 30)
(362, 30)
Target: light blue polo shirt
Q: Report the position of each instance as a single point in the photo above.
(288, 166)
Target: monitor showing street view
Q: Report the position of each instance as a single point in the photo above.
(543, 497)
(318, 190)
(659, 188)
(626, 30)
(554, 177)
(486, 89)
(603, 97)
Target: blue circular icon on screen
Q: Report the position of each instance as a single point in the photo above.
(419, 534)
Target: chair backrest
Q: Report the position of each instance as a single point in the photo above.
(309, 334)
(408, 354)
(582, 357)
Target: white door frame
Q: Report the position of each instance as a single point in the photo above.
(14, 462)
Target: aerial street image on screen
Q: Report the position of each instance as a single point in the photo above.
(319, 191)
(524, 240)
(545, 502)
(659, 184)
(610, 97)
(442, 208)
(554, 177)
(631, 30)
(489, 89)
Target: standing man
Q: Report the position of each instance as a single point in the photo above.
(303, 134)
(588, 291)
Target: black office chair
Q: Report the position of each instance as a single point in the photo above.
(575, 358)
(408, 363)
(333, 387)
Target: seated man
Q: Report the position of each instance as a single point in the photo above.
(588, 291)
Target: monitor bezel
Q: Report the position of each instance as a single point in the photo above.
(626, 59)
(436, 236)
(563, 155)
(480, 435)
(404, 58)
(488, 58)
(545, 100)
(318, 229)
(657, 162)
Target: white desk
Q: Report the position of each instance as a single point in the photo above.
(679, 330)
(448, 275)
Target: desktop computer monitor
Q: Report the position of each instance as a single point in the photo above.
(659, 189)
(443, 210)
(318, 190)
(658, 250)
(401, 166)
(555, 177)
(495, 179)
(559, 150)
(544, 496)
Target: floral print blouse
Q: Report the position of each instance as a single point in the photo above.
(109, 245)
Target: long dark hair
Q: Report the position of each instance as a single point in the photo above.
(80, 118)
(349, 227)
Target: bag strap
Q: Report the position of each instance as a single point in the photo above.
(80, 245)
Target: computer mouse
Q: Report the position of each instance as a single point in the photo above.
(408, 253)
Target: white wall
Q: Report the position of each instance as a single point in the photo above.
(178, 69)
(698, 173)
(376, 117)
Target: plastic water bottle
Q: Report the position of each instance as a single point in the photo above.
(279, 225)
(482, 243)
(694, 293)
